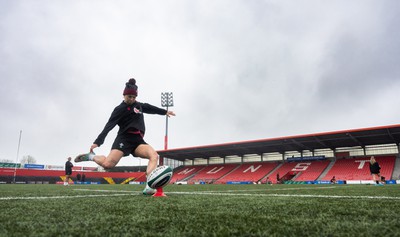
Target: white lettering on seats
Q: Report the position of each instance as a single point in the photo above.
(213, 171)
(252, 169)
(186, 171)
(362, 163)
(301, 167)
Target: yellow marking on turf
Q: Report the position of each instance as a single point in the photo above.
(109, 180)
(128, 180)
(63, 179)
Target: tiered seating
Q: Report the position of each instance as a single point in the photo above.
(54, 176)
(387, 164)
(212, 172)
(358, 168)
(286, 167)
(185, 172)
(311, 170)
(249, 172)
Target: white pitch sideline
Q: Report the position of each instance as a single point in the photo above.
(63, 197)
(222, 193)
(114, 193)
(286, 195)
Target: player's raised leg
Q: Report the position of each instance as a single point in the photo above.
(106, 162)
(147, 152)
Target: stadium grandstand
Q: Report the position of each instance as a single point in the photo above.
(310, 158)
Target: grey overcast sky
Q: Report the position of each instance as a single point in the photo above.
(239, 70)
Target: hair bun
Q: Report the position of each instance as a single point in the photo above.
(132, 81)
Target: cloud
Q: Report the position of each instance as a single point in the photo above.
(238, 69)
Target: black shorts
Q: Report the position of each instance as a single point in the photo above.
(127, 143)
(68, 172)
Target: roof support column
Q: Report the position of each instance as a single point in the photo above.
(398, 148)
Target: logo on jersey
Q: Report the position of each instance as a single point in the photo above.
(121, 145)
(137, 111)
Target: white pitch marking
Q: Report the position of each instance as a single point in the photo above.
(63, 197)
(267, 189)
(285, 195)
(220, 191)
(129, 193)
(261, 194)
(104, 190)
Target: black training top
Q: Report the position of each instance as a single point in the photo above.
(128, 117)
(68, 166)
(375, 168)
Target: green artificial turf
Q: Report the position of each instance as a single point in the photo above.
(200, 210)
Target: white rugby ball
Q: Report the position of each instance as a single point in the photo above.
(159, 177)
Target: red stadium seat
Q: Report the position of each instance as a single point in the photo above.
(252, 172)
(358, 168)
